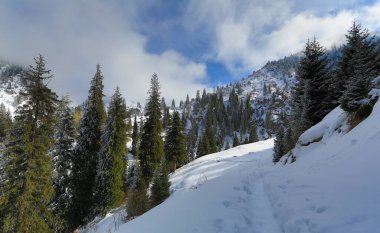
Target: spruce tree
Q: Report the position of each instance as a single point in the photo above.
(288, 140)
(192, 137)
(357, 68)
(109, 187)
(253, 137)
(358, 41)
(297, 102)
(165, 118)
(62, 159)
(246, 115)
(175, 144)
(268, 122)
(135, 138)
(85, 158)
(203, 146)
(27, 189)
(311, 99)
(160, 187)
(313, 69)
(151, 146)
(209, 132)
(279, 149)
(204, 98)
(5, 121)
(233, 111)
(197, 103)
(138, 202)
(187, 106)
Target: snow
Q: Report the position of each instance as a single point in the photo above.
(111, 222)
(9, 88)
(332, 187)
(333, 121)
(220, 192)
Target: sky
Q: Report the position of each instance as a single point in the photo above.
(191, 44)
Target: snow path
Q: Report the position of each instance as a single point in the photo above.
(222, 192)
(262, 211)
(250, 200)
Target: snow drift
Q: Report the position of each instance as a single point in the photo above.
(333, 186)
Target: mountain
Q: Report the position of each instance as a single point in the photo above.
(270, 88)
(10, 85)
(247, 110)
(331, 188)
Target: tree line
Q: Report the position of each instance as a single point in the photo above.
(61, 167)
(322, 85)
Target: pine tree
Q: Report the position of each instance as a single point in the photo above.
(85, 157)
(209, 131)
(187, 108)
(297, 106)
(203, 146)
(268, 122)
(192, 139)
(137, 196)
(166, 118)
(151, 147)
(135, 139)
(278, 149)
(160, 187)
(204, 98)
(359, 65)
(197, 103)
(311, 98)
(358, 41)
(313, 69)
(288, 140)
(109, 187)
(221, 118)
(253, 137)
(62, 160)
(27, 190)
(5, 121)
(246, 115)
(233, 111)
(175, 144)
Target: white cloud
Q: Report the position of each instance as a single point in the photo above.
(243, 34)
(76, 35)
(246, 34)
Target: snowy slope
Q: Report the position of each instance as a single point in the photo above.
(332, 187)
(10, 85)
(220, 192)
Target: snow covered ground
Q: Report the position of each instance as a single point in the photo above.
(221, 192)
(333, 187)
